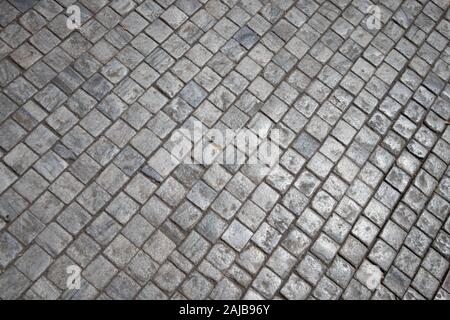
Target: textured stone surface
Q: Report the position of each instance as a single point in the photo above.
(355, 207)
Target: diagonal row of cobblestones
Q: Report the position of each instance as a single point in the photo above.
(356, 207)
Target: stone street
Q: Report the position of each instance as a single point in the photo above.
(354, 94)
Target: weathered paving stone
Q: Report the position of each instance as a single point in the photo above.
(41, 139)
(197, 287)
(33, 262)
(353, 250)
(425, 283)
(122, 287)
(66, 187)
(13, 284)
(267, 282)
(120, 251)
(441, 243)
(83, 250)
(11, 133)
(201, 195)
(171, 191)
(20, 158)
(169, 277)
(226, 205)
(237, 235)
(251, 215)
(26, 227)
(296, 242)
(151, 292)
(30, 185)
(10, 248)
(42, 289)
(296, 288)
(159, 246)
(89, 120)
(382, 254)
(46, 207)
(356, 291)
(211, 227)
(7, 177)
(54, 239)
(281, 262)
(325, 248)
(122, 208)
(266, 237)
(435, 264)
(407, 262)
(186, 216)
(221, 256)
(155, 211)
(86, 292)
(340, 271)
(396, 281)
(327, 290)
(226, 290)
(93, 198)
(311, 269)
(100, 279)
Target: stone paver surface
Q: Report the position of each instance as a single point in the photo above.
(94, 206)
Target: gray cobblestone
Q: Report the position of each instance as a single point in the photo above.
(86, 177)
(13, 284)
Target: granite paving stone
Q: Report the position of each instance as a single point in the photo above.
(105, 132)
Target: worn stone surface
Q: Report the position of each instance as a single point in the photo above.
(356, 206)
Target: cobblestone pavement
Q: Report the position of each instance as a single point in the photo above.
(356, 208)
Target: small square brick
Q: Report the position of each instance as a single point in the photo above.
(41, 139)
(26, 228)
(20, 158)
(141, 268)
(295, 288)
(266, 237)
(159, 246)
(54, 239)
(171, 191)
(66, 187)
(122, 287)
(74, 218)
(77, 140)
(296, 242)
(112, 179)
(7, 177)
(251, 215)
(83, 250)
(12, 284)
(201, 195)
(11, 205)
(194, 247)
(30, 185)
(163, 162)
(237, 235)
(93, 198)
(120, 251)
(122, 207)
(341, 271)
(103, 151)
(169, 277)
(226, 205)
(281, 262)
(10, 249)
(33, 262)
